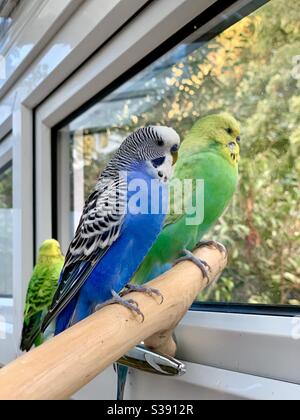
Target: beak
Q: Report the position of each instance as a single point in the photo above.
(175, 158)
(174, 153)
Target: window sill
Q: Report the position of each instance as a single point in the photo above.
(208, 383)
(264, 346)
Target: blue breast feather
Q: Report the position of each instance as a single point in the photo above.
(118, 265)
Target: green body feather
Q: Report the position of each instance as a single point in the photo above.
(204, 154)
(40, 292)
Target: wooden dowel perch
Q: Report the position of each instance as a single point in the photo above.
(66, 363)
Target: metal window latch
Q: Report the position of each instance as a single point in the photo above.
(146, 360)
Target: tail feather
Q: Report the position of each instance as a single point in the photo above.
(31, 332)
(122, 372)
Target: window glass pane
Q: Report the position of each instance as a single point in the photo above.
(251, 70)
(6, 220)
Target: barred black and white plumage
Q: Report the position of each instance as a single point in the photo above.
(104, 211)
(142, 145)
(101, 220)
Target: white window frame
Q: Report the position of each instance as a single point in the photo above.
(16, 133)
(6, 328)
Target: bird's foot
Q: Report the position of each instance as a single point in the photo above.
(129, 304)
(202, 265)
(212, 244)
(141, 289)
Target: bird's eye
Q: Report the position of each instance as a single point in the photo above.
(174, 148)
(229, 131)
(160, 142)
(238, 139)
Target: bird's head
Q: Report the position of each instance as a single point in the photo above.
(157, 145)
(220, 132)
(50, 249)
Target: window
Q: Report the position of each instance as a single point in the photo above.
(7, 14)
(6, 223)
(250, 67)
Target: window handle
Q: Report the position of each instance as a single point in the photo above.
(146, 360)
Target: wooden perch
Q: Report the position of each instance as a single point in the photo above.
(66, 363)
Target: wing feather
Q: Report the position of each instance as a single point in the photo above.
(99, 227)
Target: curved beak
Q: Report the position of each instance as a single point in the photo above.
(175, 158)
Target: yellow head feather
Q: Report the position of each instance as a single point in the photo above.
(220, 132)
(50, 249)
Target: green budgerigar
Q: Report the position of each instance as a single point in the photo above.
(210, 152)
(41, 289)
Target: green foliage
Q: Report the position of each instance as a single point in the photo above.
(262, 226)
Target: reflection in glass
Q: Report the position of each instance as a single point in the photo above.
(6, 223)
(251, 70)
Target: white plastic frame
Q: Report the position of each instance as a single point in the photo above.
(6, 328)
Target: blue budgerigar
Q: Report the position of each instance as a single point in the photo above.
(114, 233)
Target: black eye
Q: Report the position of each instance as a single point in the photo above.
(238, 139)
(229, 131)
(160, 142)
(174, 149)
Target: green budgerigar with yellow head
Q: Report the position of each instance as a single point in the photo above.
(40, 292)
(209, 153)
